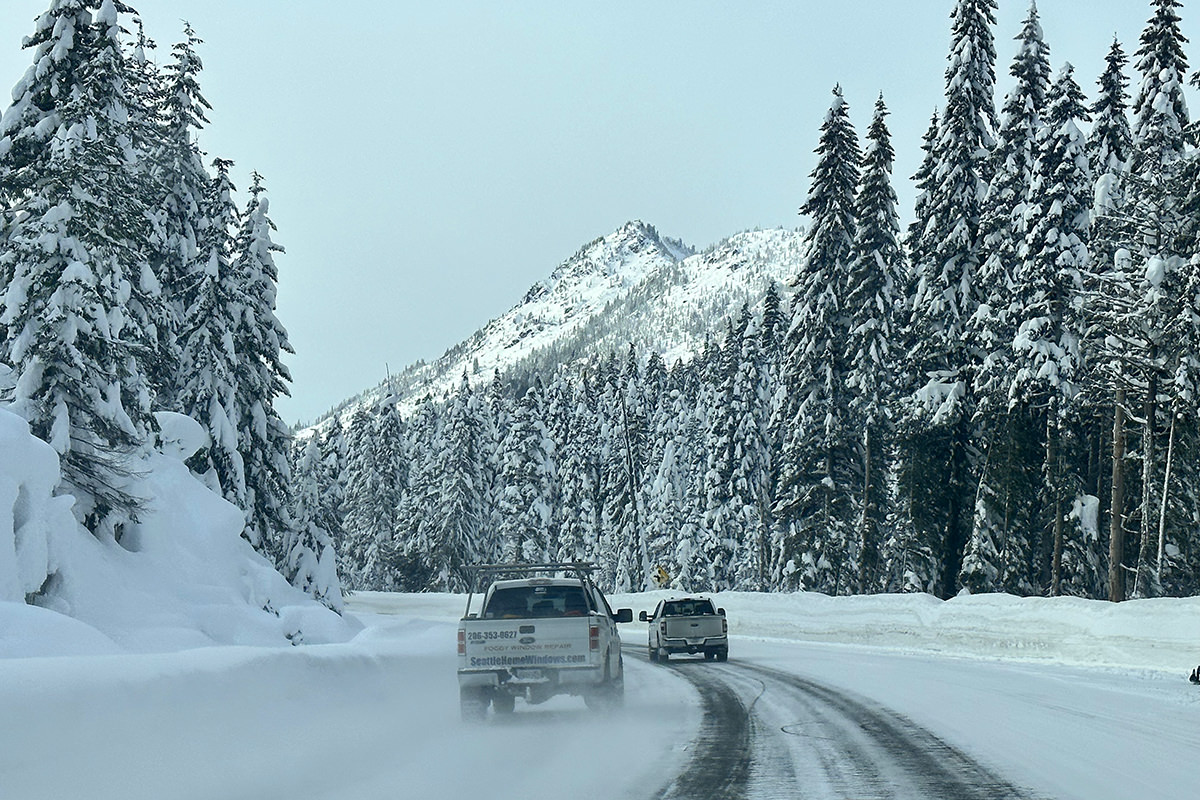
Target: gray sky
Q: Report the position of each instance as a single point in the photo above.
(427, 162)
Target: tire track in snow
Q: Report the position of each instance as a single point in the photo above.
(771, 733)
(719, 766)
(869, 751)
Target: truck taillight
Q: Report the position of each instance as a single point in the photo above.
(594, 637)
(462, 642)
(662, 628)
(724, 625)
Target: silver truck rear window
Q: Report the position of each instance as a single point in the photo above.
(688, 608)
(525, 602)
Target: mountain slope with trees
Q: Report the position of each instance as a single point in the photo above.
(1004, 402)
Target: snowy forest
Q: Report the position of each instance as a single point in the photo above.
(1001, 398)
(133, 283)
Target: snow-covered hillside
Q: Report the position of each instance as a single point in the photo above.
(181, 577)
(633, 285)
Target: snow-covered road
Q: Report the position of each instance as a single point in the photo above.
(841, 722)
(378, 718)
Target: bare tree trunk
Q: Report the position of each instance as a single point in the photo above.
(869, 556)
(1162, 512)
(1055, 481)
(1144, 585)
(1116, 541)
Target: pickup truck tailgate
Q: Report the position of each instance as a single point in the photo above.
(513, 643)
(694, 628)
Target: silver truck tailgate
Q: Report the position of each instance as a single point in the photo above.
(700, 627)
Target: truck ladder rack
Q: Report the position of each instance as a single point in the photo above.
(580, 569)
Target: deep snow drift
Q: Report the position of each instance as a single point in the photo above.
(182, 577)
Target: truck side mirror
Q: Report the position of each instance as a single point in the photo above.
(721, 611)
(642, 616)
(624, 615)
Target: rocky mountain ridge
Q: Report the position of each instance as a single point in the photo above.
(633, 285)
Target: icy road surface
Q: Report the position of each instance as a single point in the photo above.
(378, 718)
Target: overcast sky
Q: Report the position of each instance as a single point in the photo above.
(427, 162)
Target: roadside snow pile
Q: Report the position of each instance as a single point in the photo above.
(183, 577)
(1143, 634)
(1155, 634)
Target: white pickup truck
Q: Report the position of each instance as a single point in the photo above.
(541, 630)
(687, 625)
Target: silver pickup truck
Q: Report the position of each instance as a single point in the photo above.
(687, 625)
(541, 630)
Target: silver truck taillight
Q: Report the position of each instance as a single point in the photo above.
(462, 642)
(594, 637)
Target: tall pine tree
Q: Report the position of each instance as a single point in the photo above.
(815, 501)
(73, 251)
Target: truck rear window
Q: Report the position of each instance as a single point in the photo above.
(524, 602)
(688, 608)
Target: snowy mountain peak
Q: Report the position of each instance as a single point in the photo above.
(623, 256)
(632, 285)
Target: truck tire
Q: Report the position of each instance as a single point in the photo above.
(653, 654)
(473, 702)
(664, 655)
(723, 654)
(503, 702)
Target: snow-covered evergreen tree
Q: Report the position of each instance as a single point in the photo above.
(579, 516)
(876, 277)
(262, 378)
(1153, 230)
(937, 447)
(412, 562)
(1008, 478)
(310, 560)
(1159, 108)
(525, 476)
(1105, 377)
(1049, 329)
(721, 520)
(180, 219)
(750, 498)
(1110, 143)
(361, 484)
(458, 515)
(816, 498)
(213, 303)
(696, 555)
(633, 570)
(77, 291)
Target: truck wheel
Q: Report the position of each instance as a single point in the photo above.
(473, 701)
(709, 655)
(503, 702)
(723, 654)
(653, 654)
(664, 656)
